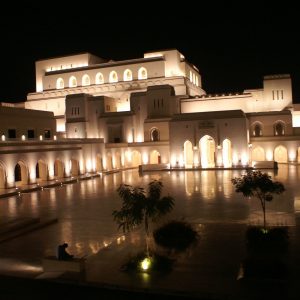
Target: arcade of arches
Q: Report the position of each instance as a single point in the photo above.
(280, 154)
(24, 172)
(206, 153)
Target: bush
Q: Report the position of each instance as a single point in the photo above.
(176, 235)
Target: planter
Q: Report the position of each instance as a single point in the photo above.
(266, 253)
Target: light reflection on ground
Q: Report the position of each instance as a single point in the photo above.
(84, 209)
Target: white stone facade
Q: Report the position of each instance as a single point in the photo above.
(92, 115)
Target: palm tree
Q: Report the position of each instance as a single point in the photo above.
(259, 185)
(137, 207)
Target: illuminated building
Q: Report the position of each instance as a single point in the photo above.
(149, 111)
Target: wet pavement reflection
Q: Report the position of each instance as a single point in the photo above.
(84, 209)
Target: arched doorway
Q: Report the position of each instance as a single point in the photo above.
(227, 153)
(127, 159)
(188, 154)
(99, 163)
(74, 167)
(207, 151)
(154, 157)
(41, 171)
(118, 162)
(280, 154)
(58, 169)
(21, 174)
(136, 158)
(258, 154)
(108, 161)
(2, 176)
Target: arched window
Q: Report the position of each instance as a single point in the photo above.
(72, 81)
(127, 75)
(154, 135)
(86, 80)
(279, 128)
(99, 78)
(18, 175)
(113, 76)
(60, 83)
(37, 171)
(257, 131)
(142, 74)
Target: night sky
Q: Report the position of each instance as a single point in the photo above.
(232, 46)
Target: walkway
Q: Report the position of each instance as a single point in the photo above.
(45, 184)
(208, 271)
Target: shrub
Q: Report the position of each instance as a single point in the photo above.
(258, 185)
(176, 235)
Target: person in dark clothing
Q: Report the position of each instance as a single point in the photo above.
(62, 254)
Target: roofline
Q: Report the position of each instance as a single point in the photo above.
(269, 113)
(159, 50)
(218, 114)
(106, 65)
(61, 56)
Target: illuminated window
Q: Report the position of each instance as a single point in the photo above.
(279, 128)
(127, 75)
(99, 78)
(72, 81)
(257, 130)
(60, 83)
(194, 78)
(86, 80)
(113, 76)
(142, 74)
(191, 76)
(154, 135)
(197, 82)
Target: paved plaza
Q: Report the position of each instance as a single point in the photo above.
(209, 270)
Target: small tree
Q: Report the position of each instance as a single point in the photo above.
(137, 207)
(259, 185)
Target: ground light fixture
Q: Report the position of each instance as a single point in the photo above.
(145, 264)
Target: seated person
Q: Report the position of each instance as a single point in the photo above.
(62, 254)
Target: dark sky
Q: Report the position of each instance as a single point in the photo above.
(233, 46)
